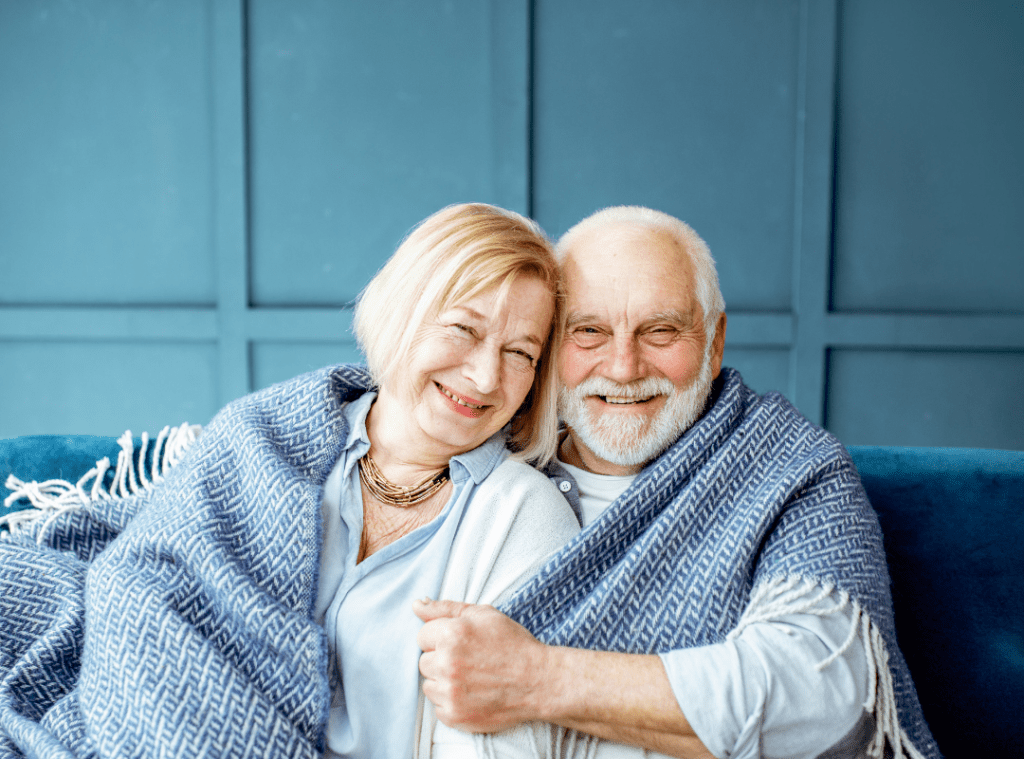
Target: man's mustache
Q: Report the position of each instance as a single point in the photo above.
(639, 389)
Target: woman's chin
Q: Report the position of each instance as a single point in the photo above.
(457, 432)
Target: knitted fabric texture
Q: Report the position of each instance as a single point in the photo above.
(751, 498)
(191, 633)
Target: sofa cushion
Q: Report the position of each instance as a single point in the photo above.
(953, 525)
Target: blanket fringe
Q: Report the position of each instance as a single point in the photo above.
(545, 742)
(52, 498)
(796, 595)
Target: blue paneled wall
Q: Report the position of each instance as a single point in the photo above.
(193, 192)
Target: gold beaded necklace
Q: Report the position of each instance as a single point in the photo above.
(385, 491)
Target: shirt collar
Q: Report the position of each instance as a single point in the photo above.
(475, 464)
(481, 461)
(355, 414)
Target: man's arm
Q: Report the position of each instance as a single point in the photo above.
(485, 673)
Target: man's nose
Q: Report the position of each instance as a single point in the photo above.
(624, 363)
(483, 368)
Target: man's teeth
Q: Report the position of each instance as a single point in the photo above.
(625, 399)
(458, 400)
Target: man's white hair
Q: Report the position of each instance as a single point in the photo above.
(709, 294)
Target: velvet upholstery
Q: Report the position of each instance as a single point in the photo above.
(953, 523)
(53, 457)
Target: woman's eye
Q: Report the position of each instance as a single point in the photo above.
(523, 357)
(462, 329)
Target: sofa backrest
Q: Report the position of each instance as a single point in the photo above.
(953, 524)
(38, 458)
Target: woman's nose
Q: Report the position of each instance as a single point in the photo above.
(483, 368)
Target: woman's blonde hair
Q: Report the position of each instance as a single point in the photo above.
(451, 256)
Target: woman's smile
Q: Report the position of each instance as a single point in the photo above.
(471, 408)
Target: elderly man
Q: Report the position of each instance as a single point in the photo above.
(728, 594)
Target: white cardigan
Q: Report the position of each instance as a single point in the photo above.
(517, 519)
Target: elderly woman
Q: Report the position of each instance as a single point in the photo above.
(259, 599)
(456, 329)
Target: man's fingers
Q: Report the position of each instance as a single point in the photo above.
(426, 662)
(438, 621)
(429, 610)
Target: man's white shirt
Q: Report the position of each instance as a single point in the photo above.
(760, 694)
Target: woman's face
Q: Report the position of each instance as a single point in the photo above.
(470, 369)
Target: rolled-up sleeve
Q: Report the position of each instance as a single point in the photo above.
(762, 693)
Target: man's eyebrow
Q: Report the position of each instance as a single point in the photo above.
(670, 316)
(574, 320)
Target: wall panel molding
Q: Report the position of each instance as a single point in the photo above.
(511, 82)
(813, 208)
(551, 108)
(231, 197)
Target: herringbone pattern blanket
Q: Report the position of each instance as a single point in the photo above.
(190, 635)
(751, 496)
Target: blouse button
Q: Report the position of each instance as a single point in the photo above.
(565, 486)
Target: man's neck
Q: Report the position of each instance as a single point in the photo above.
(578, 455)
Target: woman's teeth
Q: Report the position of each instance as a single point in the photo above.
(458, 400)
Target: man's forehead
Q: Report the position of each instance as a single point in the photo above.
(618, 265)
(618, 234)
(619, 246)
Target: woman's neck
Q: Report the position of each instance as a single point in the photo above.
(398, 449)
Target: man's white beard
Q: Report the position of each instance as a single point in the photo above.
(630, 439)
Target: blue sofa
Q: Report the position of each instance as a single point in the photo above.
(953, 521)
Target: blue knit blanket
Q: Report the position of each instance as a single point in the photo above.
(752, 499)
(191, 633)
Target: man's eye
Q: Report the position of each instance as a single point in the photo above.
(587, 337)
(662, 336)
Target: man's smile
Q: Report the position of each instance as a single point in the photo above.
(622, 400)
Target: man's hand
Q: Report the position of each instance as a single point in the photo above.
(481, 669)
(485, 673)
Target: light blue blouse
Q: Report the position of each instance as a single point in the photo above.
(366, 608)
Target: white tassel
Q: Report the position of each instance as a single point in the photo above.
(143, 443)
(155, 473)
(792, 595)
(99, 471)
(854, 624)
(124, 464)
(788, 595)
(52, 498)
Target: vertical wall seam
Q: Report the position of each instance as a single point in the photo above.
(246, 158)
(812, 195)
(800, 146)
(531, 64)
(231, 202)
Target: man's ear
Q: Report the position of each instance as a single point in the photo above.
(718, 346)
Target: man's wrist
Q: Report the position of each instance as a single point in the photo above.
(553, 688)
